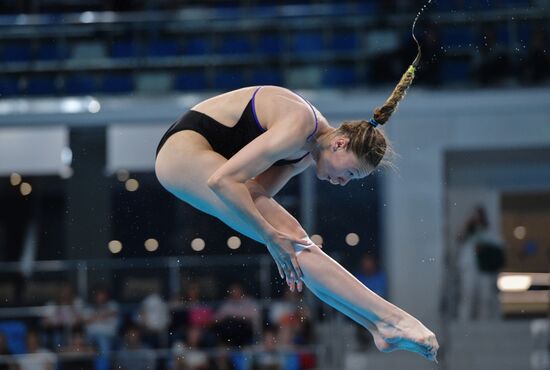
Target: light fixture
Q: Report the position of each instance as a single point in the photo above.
(151, 245)
(198, 244)
(317, 239)
(514, 283)
(132, 184)
(115, 246)
(352, 239)
(15, 179)
(234, 242)
(25, 188)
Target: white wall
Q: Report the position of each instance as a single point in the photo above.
(427, 125)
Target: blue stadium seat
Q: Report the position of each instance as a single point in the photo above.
(309, 42)
(455, 71)
(344, 41)
(163, 48)
(367, 7)
(117, 83)
(188, 81)
(266, 77)
(503, 35)
(51, 51)
(340, 77)
(16, 335)
(196, 46)
(235, 45)
(80, 84)
(454, 36)
(41, 85)
(16, 53)
(9, 86)
(270, 45)
(524, 32)
(125, 49)
(227, 79)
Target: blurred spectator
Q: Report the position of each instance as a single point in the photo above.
(134, 355)
(238, 317)
(154, 319)
(271, 356)
(371, 276)
(190, 312)
(291, 319)
(101, 319)
(78, 354)
(479, 260)
(61, 316)
(6, 355)
(187, 355)
(36, 358)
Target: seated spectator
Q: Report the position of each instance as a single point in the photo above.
(6, 355)
(190, 311)
(153, 319)
(134, 355)
(238, 318)
(270, 357)
(371, 276)
(61, 317)
(101, 321)
(291, 319)
(36, 357)
(78, 354)
(187, 356)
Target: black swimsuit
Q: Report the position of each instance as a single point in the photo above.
(227, 140)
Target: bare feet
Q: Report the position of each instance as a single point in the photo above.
(408, 334)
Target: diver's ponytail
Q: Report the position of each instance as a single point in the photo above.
(382, 114)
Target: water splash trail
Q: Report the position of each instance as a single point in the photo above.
(417, 59)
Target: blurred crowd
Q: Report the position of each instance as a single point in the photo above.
(185, 333)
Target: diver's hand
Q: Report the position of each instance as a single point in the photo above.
(281, 247)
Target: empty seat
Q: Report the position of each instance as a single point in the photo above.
(16, 335)
(309, 42)
(80, 84)
(125, 49)
(16, 53)
(270, 44)
(86, 50)
(51, 51)
(234, 45)
(163, 48)
(41, 85)
(266, 77)
(196, 46)
(344, 41)
(153, 82)
(189, 81)
(454, 37)
(117, 83)
(9, 86)
(456, 71)
(340, 77)
(227, 79)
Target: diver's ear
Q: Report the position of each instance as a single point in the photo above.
(341, 142)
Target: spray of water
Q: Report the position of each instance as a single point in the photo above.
(418, 55)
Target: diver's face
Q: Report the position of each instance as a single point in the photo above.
(338, 165)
